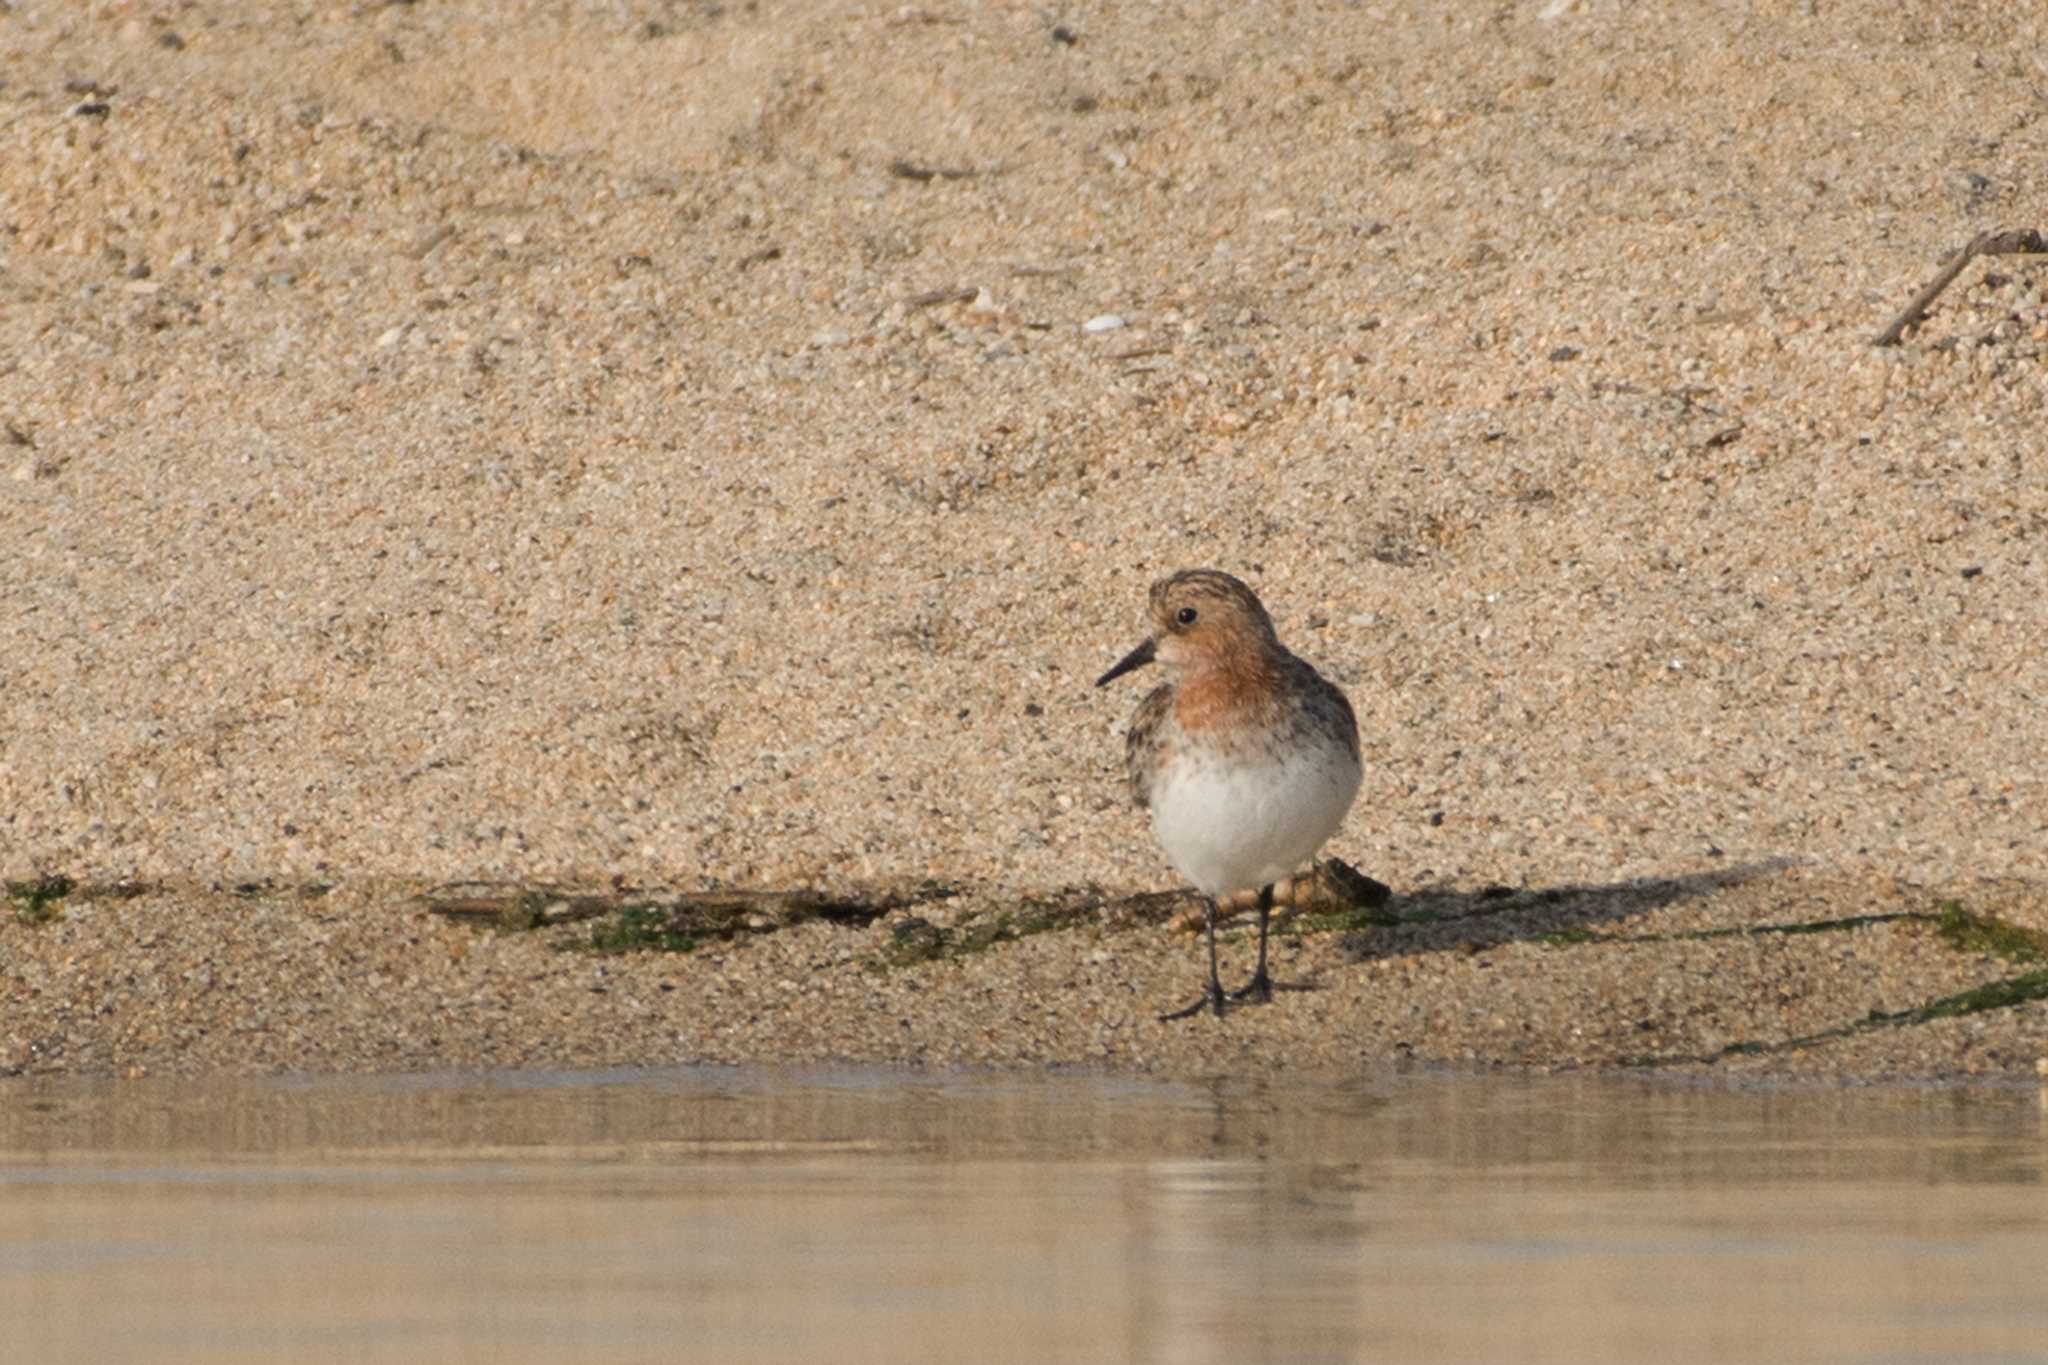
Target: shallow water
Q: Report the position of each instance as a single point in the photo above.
(768, 1216)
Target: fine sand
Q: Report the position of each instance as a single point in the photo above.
(662, 446)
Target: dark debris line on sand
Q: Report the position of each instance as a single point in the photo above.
(1958, 927)
(134, 978)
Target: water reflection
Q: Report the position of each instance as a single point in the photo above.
(717, 1215)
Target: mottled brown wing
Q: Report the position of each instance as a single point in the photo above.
(1146, 740)
(1343, 708)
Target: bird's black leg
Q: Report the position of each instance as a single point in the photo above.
(1260, 987)
(1213, 997)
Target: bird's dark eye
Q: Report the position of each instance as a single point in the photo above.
(1185, 616)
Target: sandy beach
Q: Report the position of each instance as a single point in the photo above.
(490, 454)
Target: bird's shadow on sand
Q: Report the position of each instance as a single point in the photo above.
(1430, 919)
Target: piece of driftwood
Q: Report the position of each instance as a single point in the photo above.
(1332, 887)
(2010, 242)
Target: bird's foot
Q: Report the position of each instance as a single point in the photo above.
(1212, 998)
(1259, 990)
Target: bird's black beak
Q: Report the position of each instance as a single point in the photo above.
(1137, 658)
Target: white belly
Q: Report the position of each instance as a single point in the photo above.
(1230, 827)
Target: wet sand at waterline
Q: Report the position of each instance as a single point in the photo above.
(645, 450)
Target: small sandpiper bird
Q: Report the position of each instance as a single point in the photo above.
(1246, 756)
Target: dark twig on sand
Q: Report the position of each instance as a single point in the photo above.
(2012, 242)
(906, 170)
(932, 298)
